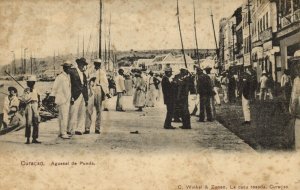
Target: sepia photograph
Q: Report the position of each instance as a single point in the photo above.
(140, 94)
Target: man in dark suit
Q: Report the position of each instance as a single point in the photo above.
(205, 91)
(185, 85)
(168, 92)
(79, 97)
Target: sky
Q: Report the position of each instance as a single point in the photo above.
(48, 26)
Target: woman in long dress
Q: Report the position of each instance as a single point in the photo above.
(139, 97)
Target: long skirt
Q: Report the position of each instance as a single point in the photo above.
(139, 98)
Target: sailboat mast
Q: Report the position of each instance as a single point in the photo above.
(83, 45)
(213, 25)
(54, 63)
(100, 29)
(182, 48)
(109, 38)
(195, 28)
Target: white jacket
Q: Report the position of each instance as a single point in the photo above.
(62, 89)
(120, 83)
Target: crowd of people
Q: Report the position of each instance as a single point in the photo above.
(81, 89)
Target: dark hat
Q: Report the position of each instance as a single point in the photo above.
(81, 61)
(121, 71)
(12, 88)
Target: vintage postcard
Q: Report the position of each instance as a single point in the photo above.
(140, 94)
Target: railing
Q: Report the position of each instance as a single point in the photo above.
(290, 18)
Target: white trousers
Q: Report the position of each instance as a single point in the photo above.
(246, 108)
(297, 134)
(77, 115)
(63, 117)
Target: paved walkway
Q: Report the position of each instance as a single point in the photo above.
(115, 134)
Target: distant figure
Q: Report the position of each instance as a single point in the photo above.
(286, 84)
(270, 86)
(224, 85)
(263, 86)
(152, 90)
(295, 107)
(246, 95)
(167, 89)
(61, 90)
(79, 97)
(120, 89)
(205, 91)
(111, 86)
(10, 101)
(139, 97)
(231, 88)
(32, 100)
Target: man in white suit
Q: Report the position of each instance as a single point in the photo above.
(61, 90)
(99, 92)
(120, 89)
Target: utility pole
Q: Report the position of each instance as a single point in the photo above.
(249, 23)
(182, 48)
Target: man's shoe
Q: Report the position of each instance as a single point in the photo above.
(210, 120)
(246, 123)
(27, 142)
(36, 141)
(105, 109)
(182, 127)
(97, 132)
(169, 127)
(86, 132)
(78, 133)
(65, 137)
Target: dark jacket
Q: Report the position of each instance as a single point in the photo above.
(247, 86)
(168, 90)
(77, 87)
(204, 86)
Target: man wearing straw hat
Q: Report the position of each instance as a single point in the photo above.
(61, 90)
(32, 100)
(99, 91)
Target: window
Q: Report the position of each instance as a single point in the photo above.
(267, 20)
(264, 23)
